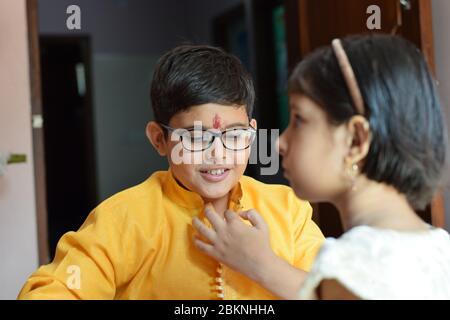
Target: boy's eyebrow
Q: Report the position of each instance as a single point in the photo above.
(235, 124)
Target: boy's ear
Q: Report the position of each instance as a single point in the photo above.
(254, 124)
(358, 139)
(155, 135)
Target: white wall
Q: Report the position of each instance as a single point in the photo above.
(441, 27)
(200, 16)
(121, 26)
(122, 110)
(18, 228)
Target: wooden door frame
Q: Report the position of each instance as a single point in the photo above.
(421, 13)
(424, 16)
(38, 132)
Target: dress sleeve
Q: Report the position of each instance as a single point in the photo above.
(351, 264)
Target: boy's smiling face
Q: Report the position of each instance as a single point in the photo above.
(217, 169)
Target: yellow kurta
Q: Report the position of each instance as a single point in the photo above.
(138, 245)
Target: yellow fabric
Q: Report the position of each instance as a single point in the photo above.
(138, 245)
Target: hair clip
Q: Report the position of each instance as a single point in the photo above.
(349, 75)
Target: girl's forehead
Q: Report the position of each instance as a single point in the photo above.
(302, 103)
(298, 102)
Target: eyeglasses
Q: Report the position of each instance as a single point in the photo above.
(235, 139)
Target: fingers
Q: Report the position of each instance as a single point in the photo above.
(205, 247)
(208, 233)
(230, 216)
(255, 218)
(216, 221)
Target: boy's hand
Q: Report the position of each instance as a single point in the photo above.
(240, 246)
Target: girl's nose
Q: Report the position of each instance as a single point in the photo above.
(281, 144)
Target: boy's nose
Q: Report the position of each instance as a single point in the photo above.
(217, 149)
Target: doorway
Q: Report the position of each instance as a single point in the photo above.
(68, 135)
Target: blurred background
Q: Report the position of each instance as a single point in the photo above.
(75, 102)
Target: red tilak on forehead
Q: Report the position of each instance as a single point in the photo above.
(216, 122)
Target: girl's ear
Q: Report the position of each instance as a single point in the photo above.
(155, 135)
(359, 138)
(254, 124)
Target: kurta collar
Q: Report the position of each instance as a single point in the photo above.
(189, 199)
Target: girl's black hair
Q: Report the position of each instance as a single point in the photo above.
(409, 141)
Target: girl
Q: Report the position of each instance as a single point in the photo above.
(366, 134)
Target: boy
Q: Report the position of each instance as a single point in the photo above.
(138, 244)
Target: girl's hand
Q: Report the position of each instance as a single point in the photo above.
(244, 248)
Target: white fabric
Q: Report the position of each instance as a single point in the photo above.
(385, 264)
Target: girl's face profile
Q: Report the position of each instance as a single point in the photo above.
(313, 151)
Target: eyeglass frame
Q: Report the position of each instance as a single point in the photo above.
(214, 135)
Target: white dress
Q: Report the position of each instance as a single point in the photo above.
(385, 264)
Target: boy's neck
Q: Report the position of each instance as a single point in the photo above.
(220, 205)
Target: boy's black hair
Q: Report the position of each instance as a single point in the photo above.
(409, 141)
(190, 75)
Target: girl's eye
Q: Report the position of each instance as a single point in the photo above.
(297, 121)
